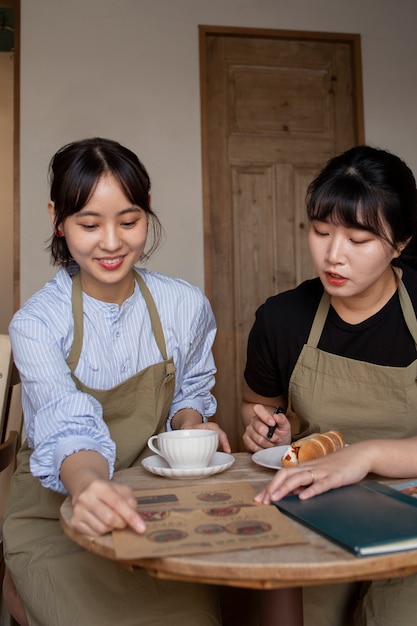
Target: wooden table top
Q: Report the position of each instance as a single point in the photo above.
(317, 562)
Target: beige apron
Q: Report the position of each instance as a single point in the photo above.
(137, 408)
(39, 555)
(360, 399)
(363, 401)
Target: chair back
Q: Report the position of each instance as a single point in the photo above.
(11, 418)
(8, 450)
(12, 610)
(6, 361)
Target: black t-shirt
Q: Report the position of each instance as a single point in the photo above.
(283, 323)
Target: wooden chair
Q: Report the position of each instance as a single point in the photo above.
(8, 450)
(7, 458)
(11, 423)
(6, 363)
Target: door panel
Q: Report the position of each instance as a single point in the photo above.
(276, 106)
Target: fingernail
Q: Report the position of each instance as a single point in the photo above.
(140, 527)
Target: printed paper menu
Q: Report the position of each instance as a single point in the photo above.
(203, 518)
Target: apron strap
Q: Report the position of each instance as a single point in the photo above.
(153, 314)
(319, 320)
(77, 311)
(406, 306)
(405, 303)
(77, 314)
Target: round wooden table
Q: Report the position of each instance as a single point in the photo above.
(319, 561)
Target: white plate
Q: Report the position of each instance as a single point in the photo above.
(270, 457)
(157, 465)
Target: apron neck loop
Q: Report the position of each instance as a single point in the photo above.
(77, 311)
(405, 303)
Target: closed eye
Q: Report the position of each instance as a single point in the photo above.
(320, 233)
(359, 242)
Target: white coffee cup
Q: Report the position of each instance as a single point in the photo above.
(186, 449)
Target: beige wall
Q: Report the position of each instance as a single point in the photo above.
(6, 189)
(129, 70)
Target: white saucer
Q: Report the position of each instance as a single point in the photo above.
(157, 465)
(270, 457)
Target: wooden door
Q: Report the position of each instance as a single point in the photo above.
(276, 105)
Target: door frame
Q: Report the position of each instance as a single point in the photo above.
(16, 158)
(16, 6)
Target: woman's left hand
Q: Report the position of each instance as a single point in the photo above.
(189, 418)
(310, 478)
(223, 440)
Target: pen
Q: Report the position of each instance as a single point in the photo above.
(272, 429)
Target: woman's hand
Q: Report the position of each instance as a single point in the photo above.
(223, 440)
(308, 479)
(265, 429)
(189, 418)
(99, 504)
(103, 506)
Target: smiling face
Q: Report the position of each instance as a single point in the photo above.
(350, 262)
(107, 237)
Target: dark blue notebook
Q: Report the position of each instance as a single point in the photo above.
(366, 519)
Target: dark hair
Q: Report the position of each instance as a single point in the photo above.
(74, 172)
(370, 189)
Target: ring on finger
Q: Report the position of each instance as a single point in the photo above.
(313, 478)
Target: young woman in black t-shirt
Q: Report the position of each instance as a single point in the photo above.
(339, 352)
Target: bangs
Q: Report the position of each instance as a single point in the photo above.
(77, 195)
(341, 201)
(73, 182)
(79, 178)
(130, 174)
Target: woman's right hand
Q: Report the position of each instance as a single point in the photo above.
(103, 506)
(256, 436)
(99, 505)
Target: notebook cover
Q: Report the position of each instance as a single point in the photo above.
(370, 517)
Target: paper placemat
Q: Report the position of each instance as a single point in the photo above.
(199, 519)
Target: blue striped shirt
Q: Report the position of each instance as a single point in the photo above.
(118, 343)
